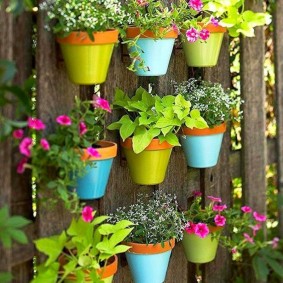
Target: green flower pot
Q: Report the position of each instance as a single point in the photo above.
(87, 61)
(148, 167)
(200, 250)
(204, 53)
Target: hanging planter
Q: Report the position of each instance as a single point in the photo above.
(93, 184)
(149, 263)
(202, 146)
(204, 53)
(154, 52)
(149, 166)
(87, 61)
(201, 250)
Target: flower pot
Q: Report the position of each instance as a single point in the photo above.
(155, 52)
(93, 184)
(201, 250)
(87, 61)
(106, 273)
(204, 53)
(202, 146)
(149, 263)
(148, 167)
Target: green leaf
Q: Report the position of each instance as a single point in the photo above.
(260, 268)
(142, 138)
(119, 236)
(7, 71)
(19, 236)
(172, 139)
(5, 277)
(47, 274)
(127, 129)
(99, 219)
(195, 114)
(276, 266)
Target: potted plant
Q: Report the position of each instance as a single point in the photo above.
(75, 150)
(203, 228)
(149, 131)
(157, 226)
(87, 32)
(204, 22)
(216, 105)
(85, 251)
(150, 35)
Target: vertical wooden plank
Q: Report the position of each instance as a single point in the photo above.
(278, 47)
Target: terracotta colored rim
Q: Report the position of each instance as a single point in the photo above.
(107, 150)
(211, 28)
(154, 145)
(204, 132)
(150, 248)
(132, 32)
(213, 229)
(82, 38)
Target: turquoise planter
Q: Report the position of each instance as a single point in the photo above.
(156, 53)
(202, 151)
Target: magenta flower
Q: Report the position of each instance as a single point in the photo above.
(175, 28)
(142, 3)
(219, 208)
(192, 35)
(234, 250)
(259, 217)
(201, 230)
(204, 34)
(44, 144)
(21, 165)
(214, 21)
(219, 220)
(93, 152)
(99, 102)
(18, 134)
(87, 214)
(248, 238)
(64, 120)
(37, 124)
(82, 128)
(25, 146)
(214, 199)
(190, 228)
(246, 209)
(196, 5)
(275, 242)
(255, 228)
(197, 194)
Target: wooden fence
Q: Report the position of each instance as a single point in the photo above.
(55, 94)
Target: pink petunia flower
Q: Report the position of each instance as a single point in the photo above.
(214, 199)
(99, 102)
(44, 144)
(25, 146)
(246, 209)
(196, 5)
(234, 250)
(255, 228)
(275, 242)
(142, 3)
(219, 208)
(93, 152)
(214, 21)
(192, 35)
(18, 134)
(87, 214)
(259, 217)
(204, 34)
(248, 238)
(197, 194)
(190, 228)
(219, 220)
(37, 124)
(64, 120)
(21, 165)
(201, 230)
(175, 28)
(82, 128)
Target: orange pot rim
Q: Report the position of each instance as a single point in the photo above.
(82, 38)
(213, 229)
(211, 28)
(107, 150)
(219, 129)
(154, 144)
(138, 248)
(133, 32)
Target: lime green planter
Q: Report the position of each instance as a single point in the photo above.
(148, 167)
(200, 250)
(87, 61)
(204, 53)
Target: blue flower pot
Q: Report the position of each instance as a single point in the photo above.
(155, 53)
(202, 149)
(151, 266)
(93, 184)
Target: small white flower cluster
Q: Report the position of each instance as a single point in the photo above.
(156, 218)
(65, 16)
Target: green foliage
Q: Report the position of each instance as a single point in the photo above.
(83, 246)
(16, 7)
(5, 277)
(150, 116)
